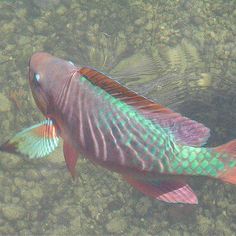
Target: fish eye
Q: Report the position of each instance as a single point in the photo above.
(36, 79)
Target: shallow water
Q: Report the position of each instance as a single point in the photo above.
(179, 53)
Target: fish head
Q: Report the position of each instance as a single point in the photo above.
(47, 77)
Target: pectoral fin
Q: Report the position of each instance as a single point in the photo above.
(71, 156)
(167, 191)
(36, 141)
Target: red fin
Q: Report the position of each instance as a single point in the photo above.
(167, 191)
(71, 156)
(229, 175)
(229, 148)
(186, 131)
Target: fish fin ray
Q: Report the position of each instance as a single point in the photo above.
(185, 130)
(71, 156)
(229, 173)
(37, 141)
(167, 191)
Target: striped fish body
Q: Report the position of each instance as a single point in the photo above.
(112, 133)
(154, 148)
(119, 137)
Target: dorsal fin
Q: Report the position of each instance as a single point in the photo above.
(185, 130)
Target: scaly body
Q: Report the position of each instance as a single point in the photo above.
(154, 148)
(116, 135)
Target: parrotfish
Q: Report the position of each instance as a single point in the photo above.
(152, 147)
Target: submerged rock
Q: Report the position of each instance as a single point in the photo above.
(12, 212)
(45, 4)
(143, 206)
(5, 104)
(116, 225)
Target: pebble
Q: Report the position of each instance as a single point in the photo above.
(116, 225)
(12, 212)
(143, 206)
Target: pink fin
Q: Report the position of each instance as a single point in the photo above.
(229, 174)
(185, 130)
(229, 148)
(167, 191)
(71, 156)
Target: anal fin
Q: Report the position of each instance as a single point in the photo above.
(166, 190)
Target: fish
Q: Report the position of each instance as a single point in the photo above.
(153, 148)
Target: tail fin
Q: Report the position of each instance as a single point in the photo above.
(229, 173)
